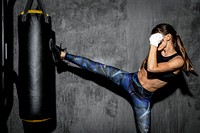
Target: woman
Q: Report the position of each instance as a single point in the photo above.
(166, 59)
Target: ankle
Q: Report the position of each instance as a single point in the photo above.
(62, 55)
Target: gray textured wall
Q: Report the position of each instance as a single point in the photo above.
(116, 32)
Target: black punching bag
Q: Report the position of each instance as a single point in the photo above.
(36, 89)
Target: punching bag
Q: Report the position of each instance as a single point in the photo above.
(36, 68)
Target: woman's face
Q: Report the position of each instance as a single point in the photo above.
(163, 43)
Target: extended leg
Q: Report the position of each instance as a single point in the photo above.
(121, 78)
(116, 75)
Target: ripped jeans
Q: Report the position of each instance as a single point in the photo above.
(128, 81)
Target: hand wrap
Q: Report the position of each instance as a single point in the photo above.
(155, 39)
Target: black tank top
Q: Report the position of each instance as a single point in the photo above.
(164, 76)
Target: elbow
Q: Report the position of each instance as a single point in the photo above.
(152, 66)
(150, 69)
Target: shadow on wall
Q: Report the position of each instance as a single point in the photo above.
(7, 69)
(165, 92)
(6, 98)
(158, 96)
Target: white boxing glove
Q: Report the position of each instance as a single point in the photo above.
(155, 39)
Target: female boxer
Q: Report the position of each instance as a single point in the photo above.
(166, 59)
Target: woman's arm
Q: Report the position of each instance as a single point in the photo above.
(152, 64)
(152, 59)
(172, 65)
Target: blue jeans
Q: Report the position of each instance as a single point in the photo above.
(128, 81)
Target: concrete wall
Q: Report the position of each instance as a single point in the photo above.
(115, 32)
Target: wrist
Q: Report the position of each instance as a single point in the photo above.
(154, 46)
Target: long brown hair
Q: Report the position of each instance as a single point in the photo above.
(165, 29)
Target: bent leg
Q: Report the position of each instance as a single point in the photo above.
(116, 75)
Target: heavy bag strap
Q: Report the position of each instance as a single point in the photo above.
(29, 5)
(40, 4)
